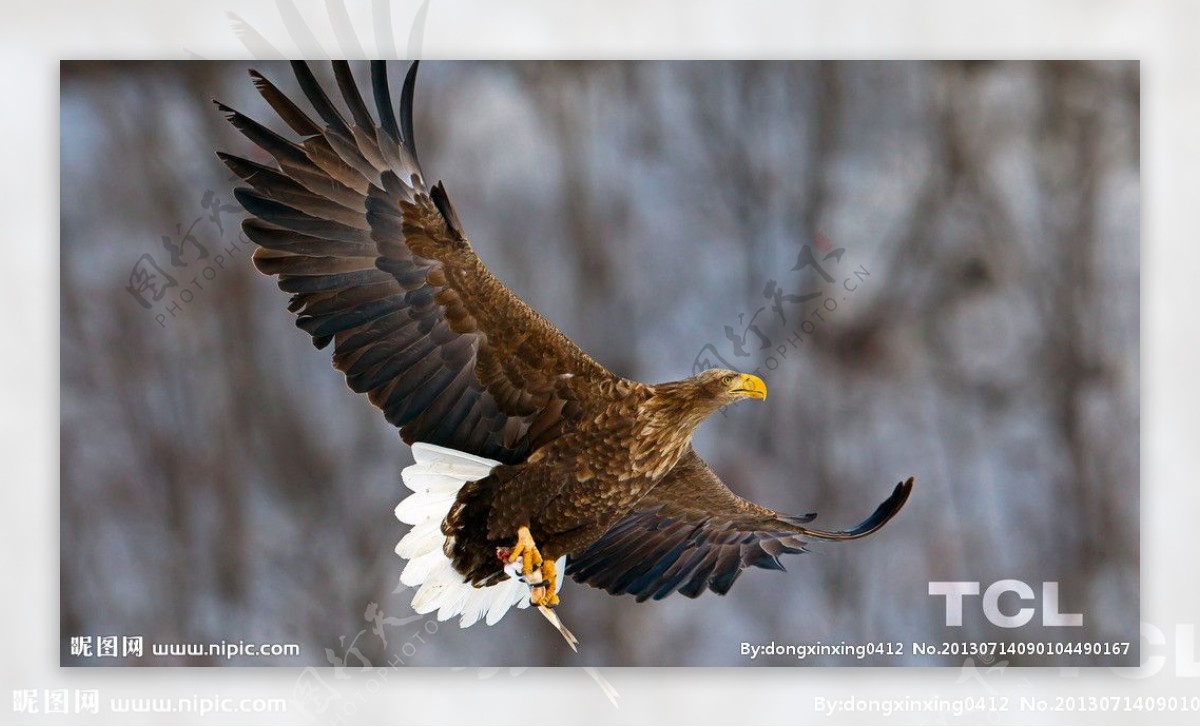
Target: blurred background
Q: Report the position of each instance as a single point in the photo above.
(934, 265)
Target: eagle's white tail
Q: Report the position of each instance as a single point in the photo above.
(435, 480)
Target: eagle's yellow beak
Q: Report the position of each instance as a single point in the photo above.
(750, 386)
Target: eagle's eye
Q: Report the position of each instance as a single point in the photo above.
(727, 379)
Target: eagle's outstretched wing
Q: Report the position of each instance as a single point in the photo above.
(378, 264)
(691, 533)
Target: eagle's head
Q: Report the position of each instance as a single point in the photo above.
(681, 406)
(671, 414)
(725, 387)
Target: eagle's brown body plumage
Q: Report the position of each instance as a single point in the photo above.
(597, 467)
(574, 488)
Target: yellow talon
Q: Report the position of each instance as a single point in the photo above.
(535, 570)
(549, 595)
(527, 549)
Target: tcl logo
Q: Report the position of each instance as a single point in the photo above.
(956, 591)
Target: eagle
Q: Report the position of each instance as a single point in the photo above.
(532, 460)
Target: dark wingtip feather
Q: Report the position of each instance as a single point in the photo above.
(767, 561)
(317, 97)
(885, 512)
(406, 110)
(228, 160)
(799, 519)
(232, 161)
(291, 114)
(442, 201)
(351, 95)
(724, 580)
(383, 99)
(225, 111)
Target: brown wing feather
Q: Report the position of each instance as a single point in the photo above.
(378, 264)
(691, 533)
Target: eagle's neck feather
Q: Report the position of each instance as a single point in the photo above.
(666, 421)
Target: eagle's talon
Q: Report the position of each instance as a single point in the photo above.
(539, 574)
(527, 550)
(545, 593)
